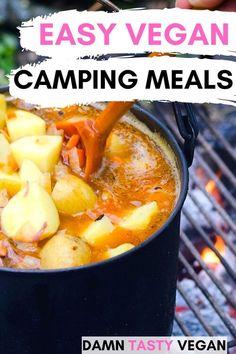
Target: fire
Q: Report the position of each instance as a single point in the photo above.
(212, 189)
(210, 257)
(211, 186)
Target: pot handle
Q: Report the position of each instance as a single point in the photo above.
(188, 128)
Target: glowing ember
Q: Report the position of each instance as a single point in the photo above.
(181, 309)
(211, 186)
(212, 189)
(210, 257)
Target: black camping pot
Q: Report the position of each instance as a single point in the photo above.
(47, 312)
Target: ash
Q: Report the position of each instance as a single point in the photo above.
(197, 213)
(207, 311)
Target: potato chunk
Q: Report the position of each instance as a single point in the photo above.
(22, 123)
(113, 252)
(64, 251)
(30, 172)
(3, 108)
(72, 195)
(43, 150)
(116, 145)
(140, 218)
(98, 231)
(30, 215)
(11, 182)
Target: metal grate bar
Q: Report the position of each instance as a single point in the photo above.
(228, 147)
(209, 297)
(211, 275)
(195, 310)
(214, 226)
(225, 193)
(210, 244)
(225, 216)
(232, 344)
(217, 160)
(182, 326)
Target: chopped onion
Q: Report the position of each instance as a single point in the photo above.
(11, 254)
(92, 215)
(27, 246)
(114, 218)
(30, 262)
(52, 130)
(74, 160)
(61, 170)
(136, 203)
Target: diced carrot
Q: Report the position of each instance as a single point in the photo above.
(68, 127)
(73, 141)
(117, 159)
(82, 157)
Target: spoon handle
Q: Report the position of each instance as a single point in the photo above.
(110, 115)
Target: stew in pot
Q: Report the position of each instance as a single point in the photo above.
(51, 217)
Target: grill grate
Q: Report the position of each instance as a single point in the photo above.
(206, 158)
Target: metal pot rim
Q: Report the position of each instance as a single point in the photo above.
(183, 193)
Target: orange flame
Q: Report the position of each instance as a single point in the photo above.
(210, 257)
(212, 189)
(211, 186)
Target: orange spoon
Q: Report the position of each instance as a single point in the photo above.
(94, 134)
